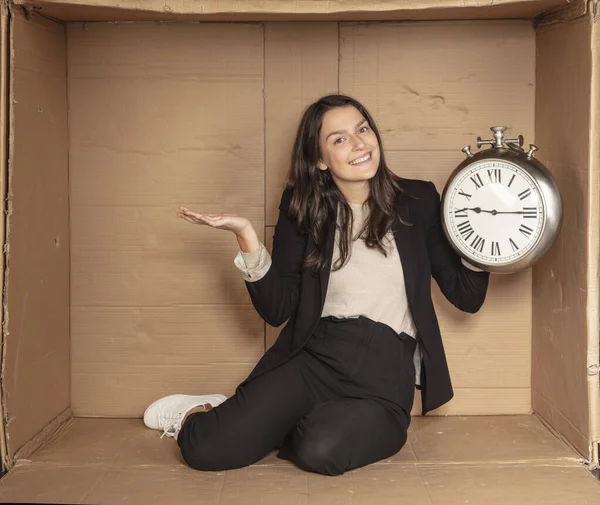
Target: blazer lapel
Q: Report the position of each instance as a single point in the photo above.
(404, 236)
(326, 271)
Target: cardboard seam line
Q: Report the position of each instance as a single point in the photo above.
(6, 72)
(557, 434)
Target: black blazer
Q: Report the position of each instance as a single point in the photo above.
(290, 293)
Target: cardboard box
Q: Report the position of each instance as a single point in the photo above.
(115, 113)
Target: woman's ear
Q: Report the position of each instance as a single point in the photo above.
(321, 165)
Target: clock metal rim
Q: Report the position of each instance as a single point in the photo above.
(503, 265)
(551, 203)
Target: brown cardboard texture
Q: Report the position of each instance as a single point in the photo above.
(593, 363)
(564, 288)
(191, 132)
(110, 301)
(36, 316)
(508, 458)
(303, 10)
(4, 132)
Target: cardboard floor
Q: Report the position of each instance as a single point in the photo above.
(487, 460)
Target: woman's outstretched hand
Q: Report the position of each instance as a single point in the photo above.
(230, 222)
(239, 225)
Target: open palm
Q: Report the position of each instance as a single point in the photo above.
(230, 222)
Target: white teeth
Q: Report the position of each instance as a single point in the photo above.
(360, 160)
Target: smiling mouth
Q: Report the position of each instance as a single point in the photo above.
(358, 161)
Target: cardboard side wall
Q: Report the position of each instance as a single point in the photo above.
(560, 279)
(36, 367)
(4, 128)
(594, 246)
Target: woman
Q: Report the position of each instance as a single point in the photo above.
(336, 390)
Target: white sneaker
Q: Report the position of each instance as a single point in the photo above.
(167, 413)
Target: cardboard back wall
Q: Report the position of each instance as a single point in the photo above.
(162, 115)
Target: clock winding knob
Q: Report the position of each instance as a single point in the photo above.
(532, 149)
(499, 139)
(467, 151)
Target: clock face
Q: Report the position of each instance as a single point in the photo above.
(494, 212)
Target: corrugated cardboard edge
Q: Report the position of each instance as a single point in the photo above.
(285, 10)
(285, 6)
(55, 428)
(568, 12)
(593, 313)
(4, 118)
(5, 45)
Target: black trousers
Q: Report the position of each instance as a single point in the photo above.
(342, 402)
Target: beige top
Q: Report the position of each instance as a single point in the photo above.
(370, 284)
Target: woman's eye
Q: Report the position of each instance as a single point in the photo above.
(364, 129)
(338, 141)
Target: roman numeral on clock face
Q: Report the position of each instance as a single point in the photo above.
(494, 175)
(478, 243)
(460, 213)
(495, 249)
(514, 246)
(525, 230)
(465, 229)
(466, 195)
(477, 181)
(529, 212)
(524, 194)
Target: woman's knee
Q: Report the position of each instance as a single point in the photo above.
(330, 451)
(212, 458)
(197, 450)
(319, 453)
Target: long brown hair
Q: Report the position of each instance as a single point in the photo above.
(315, 196)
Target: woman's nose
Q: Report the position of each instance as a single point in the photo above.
(358, 144)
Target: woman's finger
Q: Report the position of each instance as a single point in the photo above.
(194, 218)
(200, 215)
(195, 215)
(213, 220)
(190, 219)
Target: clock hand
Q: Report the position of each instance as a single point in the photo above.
(477, 210)
(493, 212)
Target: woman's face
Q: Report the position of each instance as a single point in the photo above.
(349, 147)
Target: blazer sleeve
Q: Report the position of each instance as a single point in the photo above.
(465, 288)
(275, 296)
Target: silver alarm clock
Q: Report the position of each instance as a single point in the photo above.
(501, 208)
